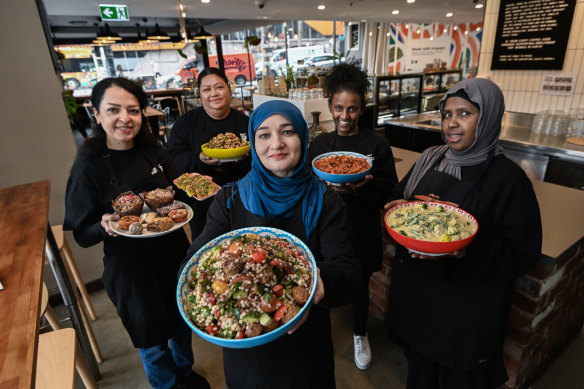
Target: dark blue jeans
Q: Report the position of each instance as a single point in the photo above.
(165, 364)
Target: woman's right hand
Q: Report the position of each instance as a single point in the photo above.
(393, 203)
(209, 161)
(105, 222)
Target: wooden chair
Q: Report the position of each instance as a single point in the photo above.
(75, 279)
(58, 354)
(70, 260)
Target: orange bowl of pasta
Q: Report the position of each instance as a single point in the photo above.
(341, 167)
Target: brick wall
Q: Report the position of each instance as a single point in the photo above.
(547, 310)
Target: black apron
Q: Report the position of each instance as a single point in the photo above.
(365, 228)
(453, 321)
(140, 275)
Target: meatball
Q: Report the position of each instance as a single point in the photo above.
(265, 275)
(253, 329)
(232, 264)
(300, 294)
(290, 313)
(271, 326)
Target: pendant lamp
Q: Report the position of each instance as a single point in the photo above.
(158, 34)
(203, 34)
(107, 34)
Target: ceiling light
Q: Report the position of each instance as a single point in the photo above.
(203, 34)
(411, 1)
(295, 36)
(407, 26)
(445, 30)
(158, 34)
(370, 33)
(455, 28)
(478, 28)
(275, 39)
(466, 33)
(106, 33)
(431, 38)
(449, 14)
(479, 5)
(321, 6)
(395, 12)
(387, 34)
(205, 1)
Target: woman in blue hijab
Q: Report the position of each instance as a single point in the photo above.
(280, 191)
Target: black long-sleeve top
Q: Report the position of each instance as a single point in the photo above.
(364, 206)
(304, 359)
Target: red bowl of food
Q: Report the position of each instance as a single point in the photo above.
(431, 228)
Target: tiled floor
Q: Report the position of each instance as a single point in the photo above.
(122, 368)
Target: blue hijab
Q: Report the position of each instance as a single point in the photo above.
(264, 194)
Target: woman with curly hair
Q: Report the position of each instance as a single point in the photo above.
(347, 86)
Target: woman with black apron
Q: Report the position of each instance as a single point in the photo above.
(347, 85)
(140, 275)
(450, 312)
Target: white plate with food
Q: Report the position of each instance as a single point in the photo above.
(147, 217)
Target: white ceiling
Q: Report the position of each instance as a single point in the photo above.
(245, 12)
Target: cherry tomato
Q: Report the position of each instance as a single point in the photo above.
(259, 256)
(271, 305)
(235, 248)
(240, 335)
(212, 329)
(210, 298)
(280, 313)
(278, 290)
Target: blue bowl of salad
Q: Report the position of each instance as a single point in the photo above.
(247, 287)
(342, 167)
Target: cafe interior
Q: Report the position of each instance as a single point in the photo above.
(412, 50)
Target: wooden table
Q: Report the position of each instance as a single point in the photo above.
(23, 228)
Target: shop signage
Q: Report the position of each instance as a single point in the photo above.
(114, 12)
(532, 34)
(558, 84)
(421, 52)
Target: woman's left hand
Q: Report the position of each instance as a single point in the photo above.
(455, 254)
(318, 296)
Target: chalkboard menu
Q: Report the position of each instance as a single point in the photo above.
(532, 34)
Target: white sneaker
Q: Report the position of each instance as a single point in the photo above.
(362, 352)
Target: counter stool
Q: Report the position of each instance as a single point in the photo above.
(70, 260)
(58, 354)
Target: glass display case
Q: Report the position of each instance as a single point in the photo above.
(436, 83)
(397, 95)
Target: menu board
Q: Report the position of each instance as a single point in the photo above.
(532, 34)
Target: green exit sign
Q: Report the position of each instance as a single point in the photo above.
(114, 12)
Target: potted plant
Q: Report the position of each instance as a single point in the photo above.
(251, 40)
(199, 49)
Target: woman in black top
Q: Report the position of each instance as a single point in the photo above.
(281, 192)
(197, 127)
(140, 275)
(347, 86)
(450, 312)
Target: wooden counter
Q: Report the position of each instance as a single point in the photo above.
(23, 228)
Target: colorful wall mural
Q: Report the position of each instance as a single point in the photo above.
(464, 39)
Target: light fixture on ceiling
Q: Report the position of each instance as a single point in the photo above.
(478, 29)
(148, 40)
(158, 34)
(321, 6)
(395, 12)
(205, 1)
(411, 1)
(104, 41)
(479, 5)
(107, 34)
(445, 30)
(203, 34)
(449, 14)
(455, 28)
(295, 36)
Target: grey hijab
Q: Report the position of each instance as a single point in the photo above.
(489, 98)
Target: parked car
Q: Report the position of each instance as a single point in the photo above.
(320, 61)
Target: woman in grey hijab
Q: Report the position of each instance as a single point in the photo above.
(450, 312)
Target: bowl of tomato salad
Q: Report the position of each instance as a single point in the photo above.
(247, 287)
